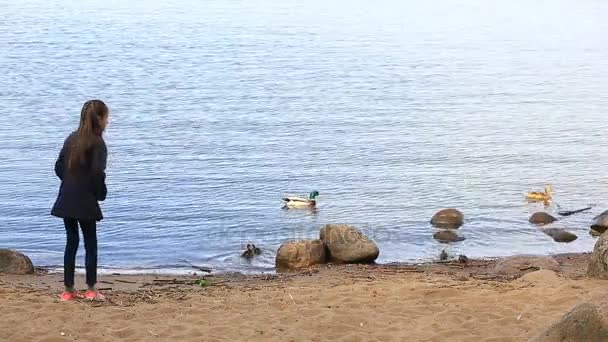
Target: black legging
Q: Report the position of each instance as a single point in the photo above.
(89, 232)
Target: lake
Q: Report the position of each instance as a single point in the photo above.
(391, 109)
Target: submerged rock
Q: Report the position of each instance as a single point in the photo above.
(447, 236)
(13, 262)
(560, 235)
(541, 218)
(448, 218)
(348, 245)
(294, 255)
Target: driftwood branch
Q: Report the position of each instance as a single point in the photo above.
(200, 268)
(572, 212)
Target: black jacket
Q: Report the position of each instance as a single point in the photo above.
(80, 192)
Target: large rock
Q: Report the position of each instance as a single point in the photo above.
(294, 255)
(521, 264)
(448, 218)
(13, 262)
(447, 236)
(560, 235)
(347, 245)
(587, 322)
(594, 233)
(600, 223)
(598, 265)
(541, 218)
(546, 277)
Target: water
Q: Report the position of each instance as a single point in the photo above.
(391, 109)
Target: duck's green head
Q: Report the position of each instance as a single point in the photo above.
(313, 195)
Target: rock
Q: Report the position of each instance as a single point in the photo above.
(348, 245)
(600, 223)
(448, 218)
(447, 236)
(560, 235)
(521, 264)
(594, 233)
(13, 262)
(587, 322)
(599, 229)
(463, 259)
(294, 255)
(541, 218)
(547, 277)
(598, 265)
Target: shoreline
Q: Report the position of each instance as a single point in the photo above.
(481, 266)
(187, 271)
(431, 301)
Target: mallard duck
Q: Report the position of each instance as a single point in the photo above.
(301, 202)
(546, 196)
(251, 251)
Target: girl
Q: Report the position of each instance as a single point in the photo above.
(81, 168)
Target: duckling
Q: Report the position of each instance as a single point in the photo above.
(546, 196)
(301, 202)
(463, 259)
(443, 256)
(251, 251)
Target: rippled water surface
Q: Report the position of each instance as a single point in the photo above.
(391, 109)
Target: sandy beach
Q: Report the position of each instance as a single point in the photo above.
(434, 302)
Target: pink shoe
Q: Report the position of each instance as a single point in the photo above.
(94, 295)
(68, 296)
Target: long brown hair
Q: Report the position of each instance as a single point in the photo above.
(89, 132)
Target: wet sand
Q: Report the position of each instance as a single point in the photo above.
(434, 302)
